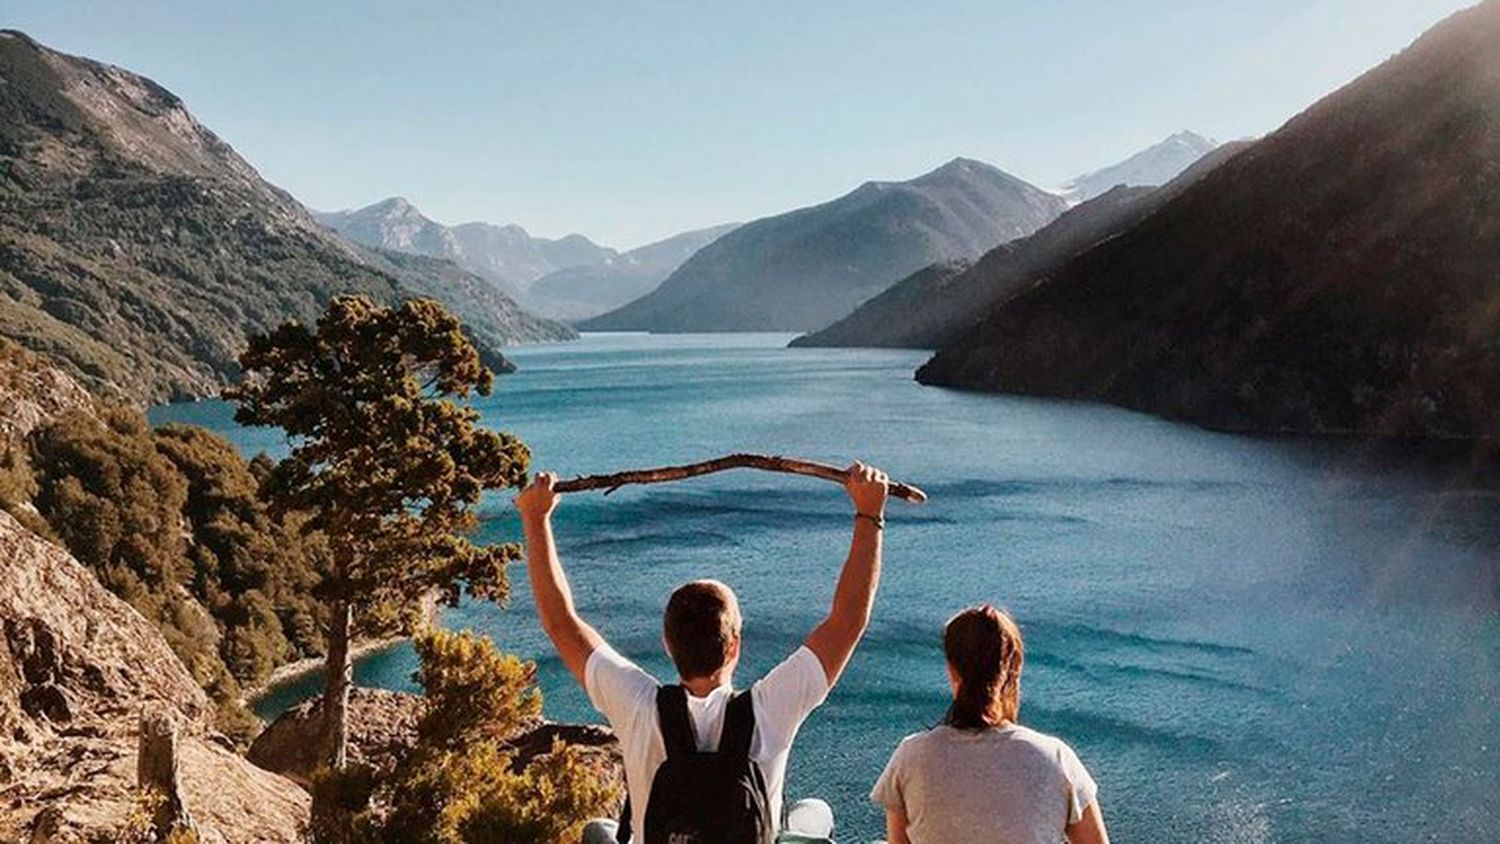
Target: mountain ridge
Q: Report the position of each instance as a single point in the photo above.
(933, 306)
(1155, 165)
(506, 255)
(581, 292)
(137, 248)
(801, 269)
(1336, 277)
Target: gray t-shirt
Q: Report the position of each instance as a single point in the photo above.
(1006, 785)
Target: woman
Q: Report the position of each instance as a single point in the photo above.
(979, 776)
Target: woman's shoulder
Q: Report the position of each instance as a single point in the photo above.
(1053, 747)
(922, 739)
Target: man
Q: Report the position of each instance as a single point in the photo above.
(701, 632)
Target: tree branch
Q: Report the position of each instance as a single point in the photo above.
(763, 462)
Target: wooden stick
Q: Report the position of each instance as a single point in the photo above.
(764, 462)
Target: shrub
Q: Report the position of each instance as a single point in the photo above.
(463, 783)
(170, 521)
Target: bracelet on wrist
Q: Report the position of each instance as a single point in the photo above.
(877, 521)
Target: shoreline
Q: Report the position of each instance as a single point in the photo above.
(287, 673)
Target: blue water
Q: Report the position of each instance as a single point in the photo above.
(1246, 639)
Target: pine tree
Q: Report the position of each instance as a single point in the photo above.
(385, 462)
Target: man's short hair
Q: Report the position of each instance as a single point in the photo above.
(701, 621)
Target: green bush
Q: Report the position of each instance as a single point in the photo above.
(170, 521)
(461, 783)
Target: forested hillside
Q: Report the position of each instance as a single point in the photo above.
(1338, 276)
(136, 248)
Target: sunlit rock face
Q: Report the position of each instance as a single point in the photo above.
(77, 668)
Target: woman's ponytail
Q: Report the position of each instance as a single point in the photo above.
(983, 646)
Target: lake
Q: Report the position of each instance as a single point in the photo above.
(1246, 639)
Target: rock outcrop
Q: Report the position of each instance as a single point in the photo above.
(383, 727)
(33, 391)
(77, 669)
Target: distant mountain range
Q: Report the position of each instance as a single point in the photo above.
(138, 251)
(585, 291)
(803, 269)
(1155, 165)
(506, 256)
(936, 305)
(1340, 275)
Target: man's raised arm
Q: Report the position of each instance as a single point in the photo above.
(574, 639)
(833, 641)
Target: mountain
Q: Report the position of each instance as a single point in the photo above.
(1340, 275)
(493, 318)
(1154, 165)
(137, 249)
(936, 305)
(586, 291)
(506, 256)
(801, 270)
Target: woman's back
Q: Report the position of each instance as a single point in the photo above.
(1006, 784)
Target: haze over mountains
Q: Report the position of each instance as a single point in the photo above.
(505, 255)
(800, 270)
(138, 250)
(1155, 165)
(1338, 275)
(589, 290)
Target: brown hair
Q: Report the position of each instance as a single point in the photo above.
(701, 621)
(984, 647)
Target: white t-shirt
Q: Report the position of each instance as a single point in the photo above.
(626, 696)
(1006, 785)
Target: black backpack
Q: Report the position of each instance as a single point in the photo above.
(706, 798)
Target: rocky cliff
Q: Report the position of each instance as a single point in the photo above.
(77, 668)
(383, 728)
(33, 391)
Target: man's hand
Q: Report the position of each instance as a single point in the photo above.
(867, 488)
(537, 501)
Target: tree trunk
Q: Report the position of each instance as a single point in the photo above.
(339, 676)
(156, 774)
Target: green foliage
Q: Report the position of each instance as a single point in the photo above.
(462, 783)
(341, 812)
(170, 521)
(384, 462)
(550, 801)
(140, 825)
(474, 693)
(18, 487)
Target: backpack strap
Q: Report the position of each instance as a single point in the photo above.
(739, 727)
(676, 725)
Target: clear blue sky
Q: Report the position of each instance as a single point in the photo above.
(632, 121)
